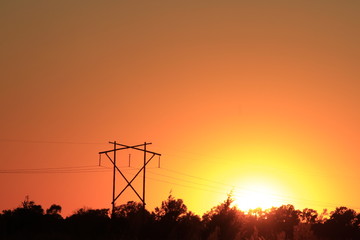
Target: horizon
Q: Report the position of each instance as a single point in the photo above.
(324, 213)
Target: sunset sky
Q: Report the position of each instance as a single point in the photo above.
(258, 98)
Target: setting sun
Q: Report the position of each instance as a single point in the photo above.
(257, 195)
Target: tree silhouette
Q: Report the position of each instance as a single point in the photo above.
(28, 217)
(26, 220)
(173, 221)
(171, 210)
(223, 221)
(343, 224)
(88, 223)
(170, 218)
(303, 230)
(308, 216)
(189, 226)
(128, 210)
(282, 220)
(30, 208)
(130, 220)
(54, 210)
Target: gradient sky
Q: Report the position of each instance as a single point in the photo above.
(237, 96)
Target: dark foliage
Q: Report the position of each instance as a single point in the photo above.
(88, 223)
(223, 221)
(173, 221)
(344, 223)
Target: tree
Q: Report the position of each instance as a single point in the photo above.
(303, 231)
(252, 223)
(167, 218)
(283, 219)
(54, 211)
(189, 226)
(30, 208)
(26, 220)
(308, 216)
(171, 210)
(223, 221)
(342, 223)
(87, 222)
(130, 220)
(128, 210)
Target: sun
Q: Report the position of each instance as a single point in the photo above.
(257, 195)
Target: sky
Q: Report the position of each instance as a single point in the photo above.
(254, 98)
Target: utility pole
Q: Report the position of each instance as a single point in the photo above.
(119, 147)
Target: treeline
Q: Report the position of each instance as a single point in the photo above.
(172, 220)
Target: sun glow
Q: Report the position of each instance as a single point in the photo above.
(257, 195)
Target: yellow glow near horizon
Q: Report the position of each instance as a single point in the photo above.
(257, 195)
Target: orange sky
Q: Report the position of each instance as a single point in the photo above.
(233, 94)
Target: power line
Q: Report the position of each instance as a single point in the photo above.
(187, 186)
(225, 184)
(196, 177)
(55, 172)
(53, 168)
(45, 142)
(282, 170)
(278, 196)
(176, 181)
(70, 169)
(183, 180)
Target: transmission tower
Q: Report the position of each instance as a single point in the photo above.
(148, 156)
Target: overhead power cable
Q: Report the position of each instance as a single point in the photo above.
(187, 186)
(72, 169)
(45, 142)
(243, 190)
(170, 179)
